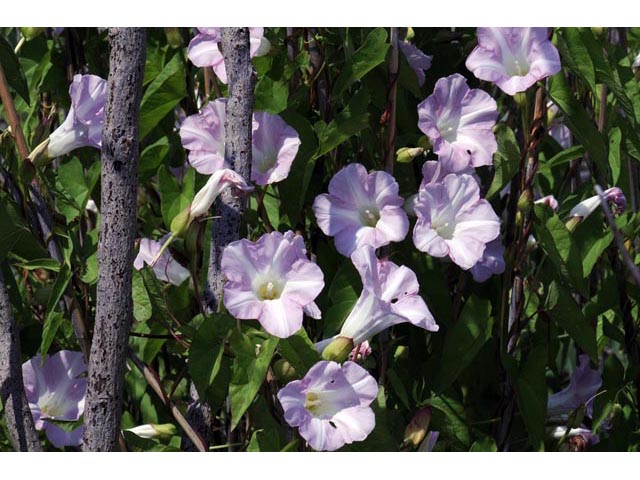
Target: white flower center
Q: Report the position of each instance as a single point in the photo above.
(269, 291)
(327, 404)
(448, 130)
(370, 216)
(518, 67)
(51, 405)
(444, 226)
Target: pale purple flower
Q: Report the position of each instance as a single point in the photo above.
(579, 438)
(203, 135)
(548, 200)
(390, 295)
(513, 58)
(83, 125)
(429, 443)
(454, 221)
(166, 267)
(583, 386)
(330, 405)
(419, 61)
(491, 263)
(275, 146)
(55, 391)
(459, 123)
(434, 172)
(269, 281)
(560, 133)
(361, 209)
(204, 49)
(612, 195)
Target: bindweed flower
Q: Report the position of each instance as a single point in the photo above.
(561, 134)
(491, 263)
(416, 430)
(550, 201)
(55, 391)
(330, 405)
(201, 204)
(583, 386)
(459, 123)
(83, 125)
(204, 50)
(419, 61)
(269, 281)
(578, 438)
(389, 297)
(513, 58)
(275, 146)
(429, 443)
(203, 135)
(274, 143)
(361, 209)
(434, 172)
(586, 207)
(165, 267)
(454, 221)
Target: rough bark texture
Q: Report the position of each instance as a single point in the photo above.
(226, 229)
(16, 408)
(114, 307)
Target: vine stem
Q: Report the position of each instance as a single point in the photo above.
(12, 116)
(392, 95)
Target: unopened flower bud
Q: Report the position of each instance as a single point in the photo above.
(525, 202)
(150, 430)
(407, 154)
(586, 207)
(410, 34)
(360, 352)
(417, 429)
(284, 371)
(550, 201)
(338, 350)
(181, 222)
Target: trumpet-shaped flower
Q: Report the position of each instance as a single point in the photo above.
(389, 297)
(201, 204)
(83, 125)
(330, 405)
(491, 263)
(275, 146)
(550, 201)
(166, 267)
(583, 386)
(612, 195)
(203, 135)
(419, 61)
(454, 221)
(270, 281)
(361, 209)
(55, 391)
(513, 58)
(459, 123)
(204, 49)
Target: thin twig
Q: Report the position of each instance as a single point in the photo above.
(152, 378)
(12, 116)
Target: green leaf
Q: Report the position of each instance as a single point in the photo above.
(41, 263)
(370, 54)
(449, 418)
(271, 95)
(207, 348)
(141, 303)
(152, 157)
(253, 356)
(463, 341)
(53, 319)
(531, 394)
(506, 161)
(575, 55)
(578, 120)
(615, 137)
(484, 444)
(175, 199)
(162, 95)
(565, 156)
(13, 71)
(347, 123)
(299, 351)
(566, 313)
(294, 187)
(557, 243)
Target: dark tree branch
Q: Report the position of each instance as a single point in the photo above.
(22, 431)
(114, 308)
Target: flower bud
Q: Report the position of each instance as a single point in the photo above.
(550, 201)
(525, 202)
(338, 350)
(284, 371)
(407, 154)
(181, 222)
(150, 430)
(417, 429)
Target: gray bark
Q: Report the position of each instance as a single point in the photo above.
(226, 229)
(22, 431)
(114, 308)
